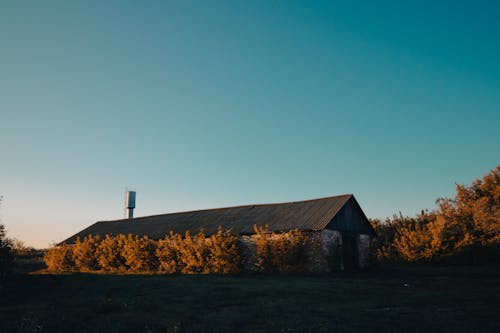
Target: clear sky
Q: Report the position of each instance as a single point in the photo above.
(216, 103)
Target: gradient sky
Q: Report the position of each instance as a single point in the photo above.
(216, 103)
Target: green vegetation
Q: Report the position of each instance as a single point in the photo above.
(406, 298)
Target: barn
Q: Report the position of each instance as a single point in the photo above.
(336, 227)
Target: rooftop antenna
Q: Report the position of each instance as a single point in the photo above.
(129, 204)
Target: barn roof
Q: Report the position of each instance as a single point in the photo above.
(306, 215)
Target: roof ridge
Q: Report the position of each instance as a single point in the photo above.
(232, 207)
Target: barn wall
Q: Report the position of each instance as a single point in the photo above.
(351, 219)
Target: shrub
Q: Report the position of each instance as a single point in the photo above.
(168, 255)
(224, 256)
(60, 258)
(280, 252)
(85, 253)
(288, 251)
(218, 253)
(110, 253)
(465, 229)
(194, 254)
(414, 243)
(139, 253)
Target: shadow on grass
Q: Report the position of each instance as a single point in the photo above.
(395, 298)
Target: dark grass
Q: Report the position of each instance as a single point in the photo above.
(396, 299)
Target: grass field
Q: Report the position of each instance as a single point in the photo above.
(396, 299)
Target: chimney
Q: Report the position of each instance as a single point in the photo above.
(130, 204)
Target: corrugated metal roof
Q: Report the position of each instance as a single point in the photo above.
(304, 215)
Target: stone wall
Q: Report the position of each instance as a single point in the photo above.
(247, 244)
(364, 250)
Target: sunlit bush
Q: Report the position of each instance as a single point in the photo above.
(224, 254)
(218, 253)
(139, 253)
(60, 258)
(85, 253)
(280, 252)
(110, 253)
(168, 255)
(194, 254)
(465, 229)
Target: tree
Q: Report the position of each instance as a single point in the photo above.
(6, 257)
(5, 253)
(469, 224)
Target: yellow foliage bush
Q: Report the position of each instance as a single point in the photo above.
(110, 253)
(465, 229)
(414, 243)
(216, 254)
(139, 253)
(85, 253)
(224, 254)
(280, 252)
(168, 255)
(199, 254)
(60, 259)
(194, 254)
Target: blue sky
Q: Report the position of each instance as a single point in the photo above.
(200, 104)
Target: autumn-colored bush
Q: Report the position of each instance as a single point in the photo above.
(85, 253)
(415, 243)
(139, 253)
(404, 239)
(279, 252)
(465, 229)
(168, 255)
(224, 254)
(110, 253)
(194, 254)
(60, 258)
(218, 253)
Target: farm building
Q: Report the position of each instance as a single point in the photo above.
(336, 227)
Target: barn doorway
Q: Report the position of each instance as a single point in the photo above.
(350, 255)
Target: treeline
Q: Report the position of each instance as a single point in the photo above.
(220, 253)
(465, 229)
(6, 257)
